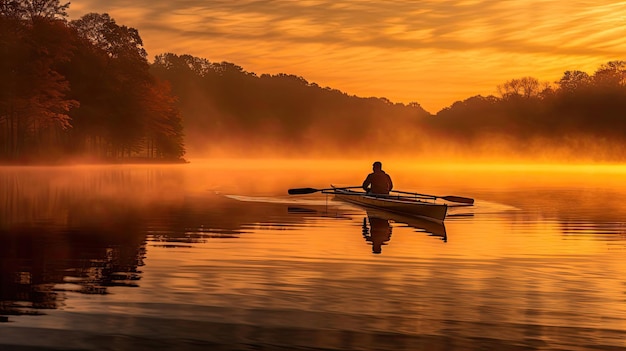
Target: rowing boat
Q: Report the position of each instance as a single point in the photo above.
(402, 204)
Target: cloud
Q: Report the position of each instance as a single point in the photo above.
(518, 26)
(344, 41)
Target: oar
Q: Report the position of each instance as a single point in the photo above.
(302, 191)
(451, 198)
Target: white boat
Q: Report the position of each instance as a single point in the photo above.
(400, 202)
(396, 203)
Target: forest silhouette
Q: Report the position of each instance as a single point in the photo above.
(84, 90)
(80, 89)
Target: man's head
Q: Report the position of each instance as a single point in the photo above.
(377, 166)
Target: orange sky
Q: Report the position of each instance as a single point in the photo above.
(430, 51)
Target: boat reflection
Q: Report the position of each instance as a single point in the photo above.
(377, 227)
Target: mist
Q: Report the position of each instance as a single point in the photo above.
(230, 112)
(106, 103)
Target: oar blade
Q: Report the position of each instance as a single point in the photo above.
(459, 199)
(302, 191)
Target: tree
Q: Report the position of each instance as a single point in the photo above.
(163, 124)
(33, 101)
(117, 41)
(122, 74)
(573, 81)
(610, 75)
(171, 62)
(525, 87)
(33, 9)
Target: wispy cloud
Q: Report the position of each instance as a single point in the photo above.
(419, 39)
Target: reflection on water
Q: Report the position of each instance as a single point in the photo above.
(39, 265)
(377, 227)
(65, 234)
(185, 257)
(378, 232)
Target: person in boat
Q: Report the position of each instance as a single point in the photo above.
(378, 182)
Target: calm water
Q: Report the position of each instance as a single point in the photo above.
(217, 257)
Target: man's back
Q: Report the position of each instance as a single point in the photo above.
(378, 182)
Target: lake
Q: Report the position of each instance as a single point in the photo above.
(215, 255)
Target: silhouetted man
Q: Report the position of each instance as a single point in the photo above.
(378, 182)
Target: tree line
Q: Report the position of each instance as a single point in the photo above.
(84, 88)
(581, 115)
(80, 89)
(229, 109)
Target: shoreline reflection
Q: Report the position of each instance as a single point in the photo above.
(39, 265)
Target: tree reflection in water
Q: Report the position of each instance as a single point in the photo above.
(38, 264)
(55, 238)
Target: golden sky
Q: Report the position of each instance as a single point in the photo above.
(433, 52)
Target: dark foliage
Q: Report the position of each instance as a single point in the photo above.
(581, 116)
(227, 108)
(79, 90)
(84, 89)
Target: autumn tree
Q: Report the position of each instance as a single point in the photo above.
(164, 128)
(116, 61)
(33, 102)
(82, 87)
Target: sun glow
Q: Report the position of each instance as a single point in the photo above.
(404, 51)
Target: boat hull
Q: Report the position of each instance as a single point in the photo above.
(396, 204)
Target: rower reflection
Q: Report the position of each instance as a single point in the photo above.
(377, 227)
(377, 233)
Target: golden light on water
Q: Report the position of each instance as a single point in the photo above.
(219, 243)
(216, 251)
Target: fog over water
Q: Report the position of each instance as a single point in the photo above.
(215, 254)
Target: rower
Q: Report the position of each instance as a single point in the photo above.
(378, 182)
